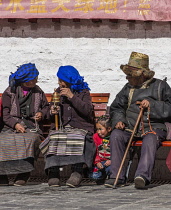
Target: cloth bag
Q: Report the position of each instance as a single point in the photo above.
(64, 142)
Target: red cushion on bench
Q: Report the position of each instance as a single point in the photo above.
(164, 143)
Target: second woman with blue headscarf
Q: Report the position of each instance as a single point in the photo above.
(76, 112)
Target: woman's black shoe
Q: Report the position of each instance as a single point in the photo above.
(53, 177)
(21, 179)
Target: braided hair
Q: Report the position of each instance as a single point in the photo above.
(104, 121)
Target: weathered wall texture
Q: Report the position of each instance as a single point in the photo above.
(96, 49)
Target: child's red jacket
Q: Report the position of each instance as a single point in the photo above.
(102, 148)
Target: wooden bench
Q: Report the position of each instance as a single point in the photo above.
(138, 143)
(99, 100)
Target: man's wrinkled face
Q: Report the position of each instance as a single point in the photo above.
(135, 81)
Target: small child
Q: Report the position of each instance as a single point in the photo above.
(102, 160)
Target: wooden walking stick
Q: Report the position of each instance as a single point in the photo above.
(128, 146)
(55, 100)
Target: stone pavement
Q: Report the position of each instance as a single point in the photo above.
(86, 197)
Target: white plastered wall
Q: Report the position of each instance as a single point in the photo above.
(96, 49)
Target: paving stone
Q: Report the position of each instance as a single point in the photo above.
(86, 197)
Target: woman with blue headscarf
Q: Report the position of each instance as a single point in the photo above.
(24, 107)
(76, 112)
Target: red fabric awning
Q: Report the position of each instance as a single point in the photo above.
(154, 10)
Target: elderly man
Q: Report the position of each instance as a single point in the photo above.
(154, 96)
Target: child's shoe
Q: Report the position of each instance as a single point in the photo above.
(100, 181)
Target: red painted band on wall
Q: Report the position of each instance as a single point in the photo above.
(146, 10)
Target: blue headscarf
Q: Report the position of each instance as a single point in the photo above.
(71, 75)
(24, 73)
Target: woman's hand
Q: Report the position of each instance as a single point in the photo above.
(66, 92)
(99, 165)
(54, 109)
(19, 128)
(38, 116)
